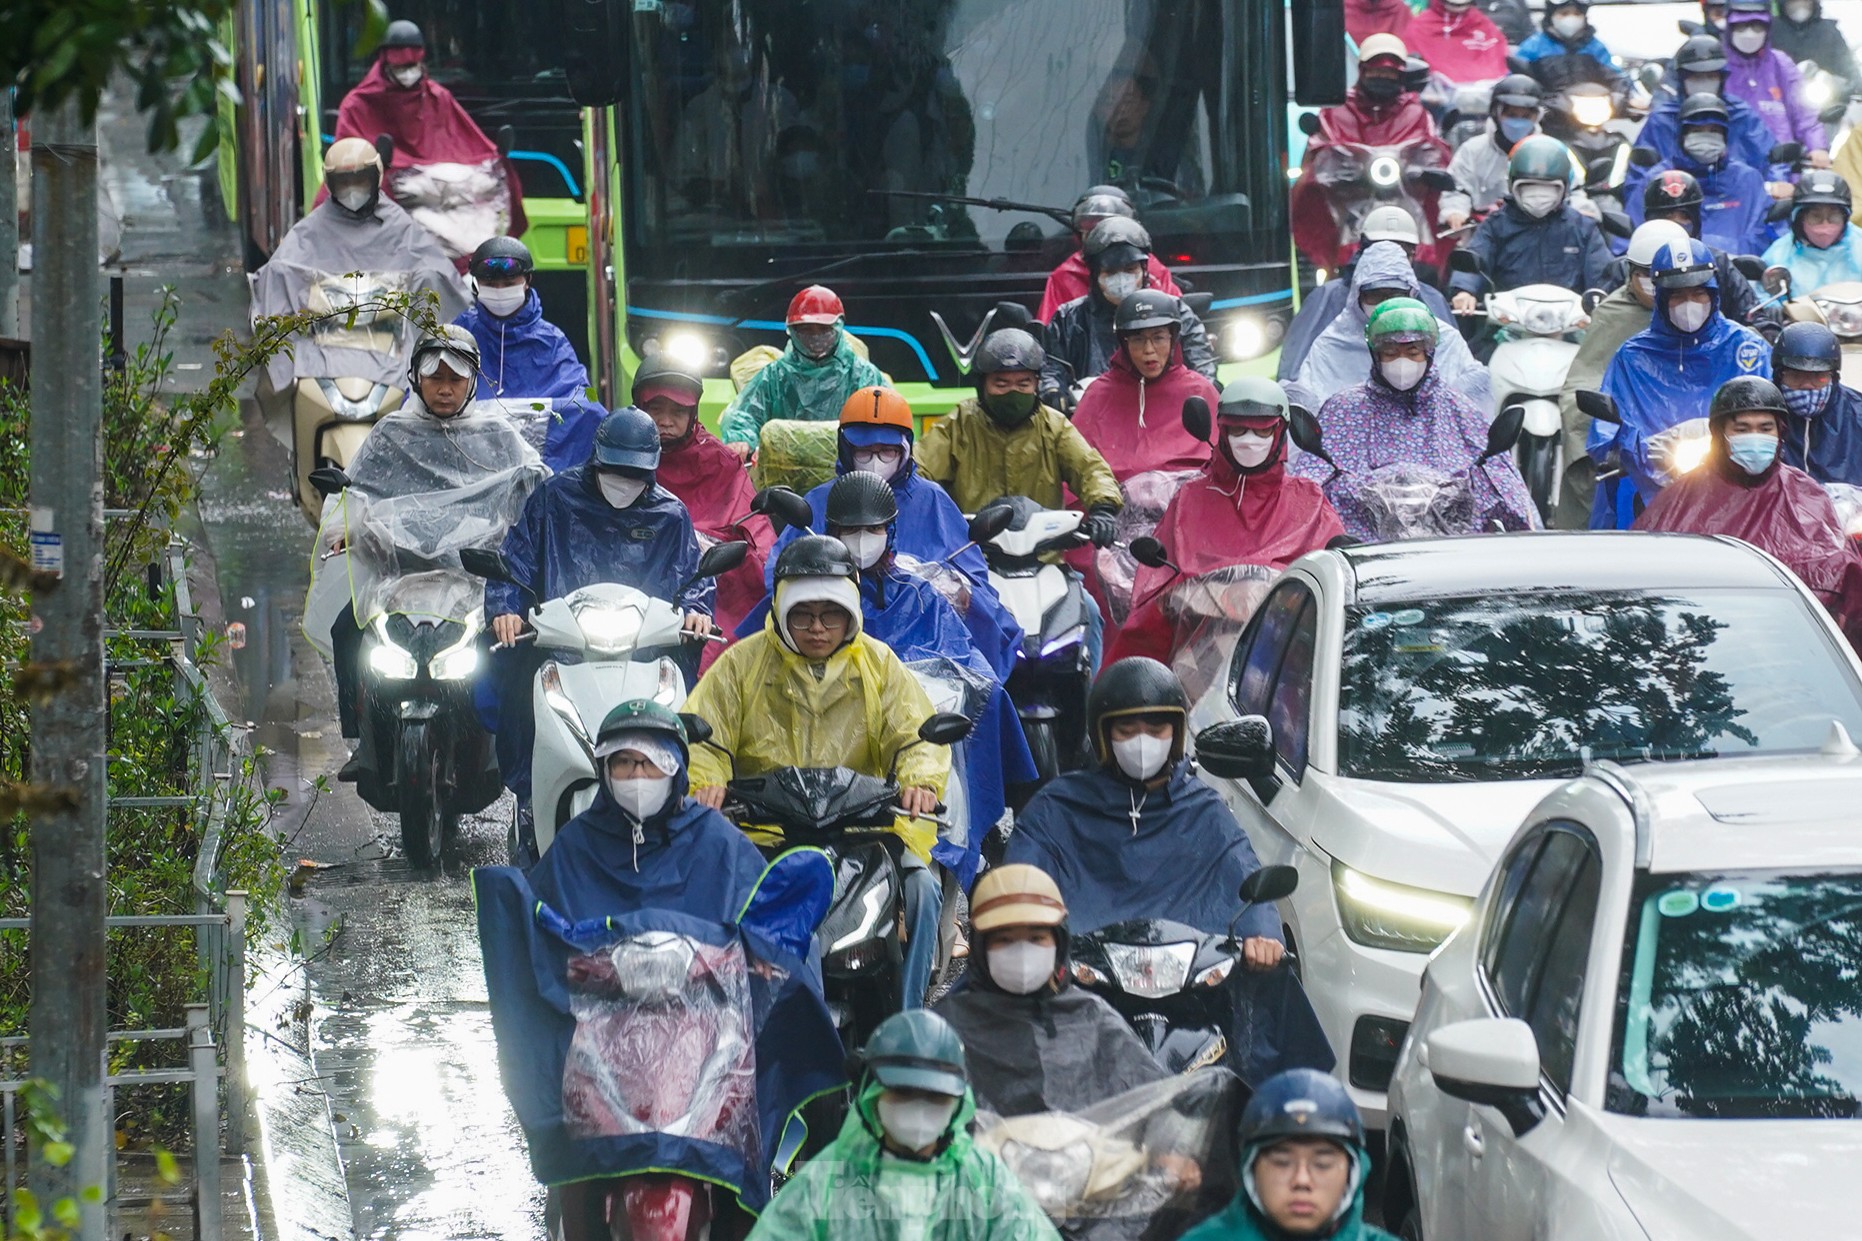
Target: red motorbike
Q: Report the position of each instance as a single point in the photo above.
(1344, 181)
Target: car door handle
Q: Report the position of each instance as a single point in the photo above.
(1472, 1139)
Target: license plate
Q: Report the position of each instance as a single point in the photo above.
(575, 243)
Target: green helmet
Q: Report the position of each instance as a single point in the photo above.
(1401, 319)
(1540, 158)
(642, 715)
(1253, 396)
(916, 1050)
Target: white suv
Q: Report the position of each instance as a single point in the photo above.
(1652, 1025)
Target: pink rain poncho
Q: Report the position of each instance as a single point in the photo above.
(1137, 424)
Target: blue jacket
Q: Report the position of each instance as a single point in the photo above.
(524, 355)
(1812, 268)
(1565, 248)
(1321, 306)
(1733, 204)
(1748, 140)
(1829, 446)
(1557, 64)
(570, 537)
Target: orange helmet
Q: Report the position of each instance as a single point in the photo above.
(877, 406)
(816, 304)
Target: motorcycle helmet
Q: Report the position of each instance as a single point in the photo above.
(872, 417)
(1016, 895)
(816, 304)
(915, 1050)
(501, 256)
(1253, 400)
(1746, 394)
(642, 715)
(1701, 54)
(661, 376)
(1389, 223)
(627, 439)
(1650, 236)
(816, 568)
(859, 499)
(1116, 242)
(403, 33)
(1540, 158)
(1301, 1103)
(1094, 207)
(1704, 109)
(1819, 187)
(1807, 347)
(352, 174)
(1007, 349)
(1516, 90)
(1401, 319)
(1672, 190)
(1136, 686)
(1684, 265)
(1147, 308)
(456, 347)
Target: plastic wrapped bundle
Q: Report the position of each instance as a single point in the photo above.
(1147, 495)
(798, 455)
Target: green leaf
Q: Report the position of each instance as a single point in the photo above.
(58, 1154)
(91, 1193)
(374, 27)
(65, 1211)
(27, 1218)
(166, 1167)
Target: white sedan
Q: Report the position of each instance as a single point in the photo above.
(1423, 696)
(1652, 1027)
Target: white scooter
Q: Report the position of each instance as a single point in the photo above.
(1528, 369)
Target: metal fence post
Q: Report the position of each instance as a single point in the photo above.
(236, 1023)
(206, 1098)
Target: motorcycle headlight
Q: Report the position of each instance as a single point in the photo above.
(1845, 318)
(558, 700)
(1385, 171)
(1216, 974)
(607, 629)
(1380, 914)
(1151, 971)
(652, 967)
(1062, 641)
(391, 663)
(1591, 111)
(1818, 92)
(1056, 1178)
(455, 663)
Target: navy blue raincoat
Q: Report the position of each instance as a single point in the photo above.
(523, 355)
(1733, 206)
(1564, 248)
(1748, 137)
(1828, 447)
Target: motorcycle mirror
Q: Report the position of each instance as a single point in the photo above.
(1517, 64)
(1466, 262)
(992, 521)
(697, 728)
(328, 479)
(1590, 299)
(486, 562)
(1340, 542)
(1240, 749)
(1303, 430)
(1270, 883)
(944, 728)
(1199, 303)
(1011, 314)
(1751, 266)
(1150, 553)
(1196, 419)
(1786, 153)
(1688, 30)
(1598, 405)
(384, 147)
(1504, 431)
(721, 558)
(1777, 281)
(1644, 157)
(505, 139)
(1616, 223)
(1436, 179)
(783, 507)
(1779, 210)
(1309, 124)
(1651, 73)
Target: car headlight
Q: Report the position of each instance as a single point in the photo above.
(1151, 971)
(608, 629)
(391, 663)
(455, 663)
(558, 700)
(1591, 111)
(1379, 914)
(1385, 171)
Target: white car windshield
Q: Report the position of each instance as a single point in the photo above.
(1740, 997)
(1525, 686)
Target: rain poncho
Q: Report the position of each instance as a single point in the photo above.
(1812, 268)
(855, 1191)
(1828, 446)
(1820, 40)
(1565, 248)
(1659, 379)
(1072, 279)
(1364, 18)
(1136, 424)
(562, 429)
(1479, 169)
(1748, 138)
(716, 490)
(976, 460)
(1373, 426)
(1770, 83)
(579, 1044)
(1339, 358)
(523, 354)
(1359, 121)
(1082, 335)
(307, 272)
(1614, 320)
(1461, 47)
(1324, 304)
(1733, 206)
(858, 708)
(795, 386)
(930, 526)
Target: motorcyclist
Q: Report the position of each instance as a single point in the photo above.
(1337, 360)
(1244, 508)
(1700, 68)
(1769, 80)
(398, 98)
(710, 480)
(1667, 374)
(1320, 307)
(1822, 432)
(1305, 1165)
(812, 379)
(1080, 339)
(1802, 32)
(1713, 18)
(1823, 247)
(1480, 164)
(1408, 412)
(1745, 490)
(1459, 42)
(1620, 315)
(1537, 237)
(1130, 414)
(1566, 50)
(813, 690)
(525, 355)
(1676, 197)
(1071, 279)
(1730, 199)
(469, 459)
(905, 1163)
(1367, 18)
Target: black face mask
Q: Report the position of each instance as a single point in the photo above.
(1380, 90)
(1010, 409)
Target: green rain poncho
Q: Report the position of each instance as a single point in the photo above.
(853, 1191)
(798, 387)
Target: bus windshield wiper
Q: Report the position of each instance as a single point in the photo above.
(1062, 214)
(726, 296)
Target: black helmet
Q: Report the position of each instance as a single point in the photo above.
(1746, 394)
(1821, 186)
(1517, 90)
(815, 555)
(660, 371)
(1136, 686)
(643, 715)
(1705, 109)
(1116, 242)
(501, 256)
(1806, 347)
(403, 33)
(1701, 54)
(1101, 207)
(1008, 349)
(861, 499)
(627, 439)
(1670, 190)
(1147, 308)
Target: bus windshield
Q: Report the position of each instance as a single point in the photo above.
(813, 121)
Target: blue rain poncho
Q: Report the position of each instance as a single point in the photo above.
(1734, 201)
(523, 354)
(1812, 268)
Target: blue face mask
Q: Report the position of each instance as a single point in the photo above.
(1754, 452)
(1516, 129)
(1808, 402)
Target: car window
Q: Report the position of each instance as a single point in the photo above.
(1514, 873)
(1258, 658)
(1290, 710)
(1519, 954)
(1558, 997)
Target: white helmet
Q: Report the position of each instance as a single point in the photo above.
(1651, 237)
(1390, 224)
(352, 174)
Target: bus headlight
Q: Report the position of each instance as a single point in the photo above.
(688, 349)
(1248, 336)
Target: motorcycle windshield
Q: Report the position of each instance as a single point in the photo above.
(1207, 614)
(460, 204)
(404, 555)
(1147, 495)
(1411, 501)
(1125, 1158)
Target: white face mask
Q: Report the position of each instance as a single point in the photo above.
(1569, 26)
(504, 302)
(643, 797)
(1143, 756)
(406, 75)
(1403, 373)
(1701, 84)
(353, 199)
(1022, 969)
(1749, 38)
(1250, 448)
(619, 490)
(1537, 199)
(865, 547)
(1706, 148)
(866, 461)
(1643, 285)
(1688, 317)
(1799, 12)
(914, 1124)
(1118, 285)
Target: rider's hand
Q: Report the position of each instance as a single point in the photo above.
(1780, 190)
(743, 451)
(1454, 220)
(697, 624)
(1463, 304)
(1819, 159)
(711, 795)
(506, 628)
(1260, 953)
(917, 800)
(1183, 1171)
(1101, 527)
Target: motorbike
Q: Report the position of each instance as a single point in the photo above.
(1466, 115)
(1053, 670)
(1528, 369)
(332, 414)
(1355, 179)
(1583, 117)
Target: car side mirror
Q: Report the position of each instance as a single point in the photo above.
(1240, 749)
(944, 728)
(1149, 552)
(486, 562)
(992, 521)
(1751, 266)
(328, 479)
(721, 558)
(1644, 157)
(1777, 281)
(1466, 262)
(1493, 1062)
(1785, 153)
(783, 507)
(1598, 405)
(1615, 223)
(1196, 420)
(1011, 314)
(1269, 883)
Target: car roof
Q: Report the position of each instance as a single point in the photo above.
(1552, 560)
(1750, 814)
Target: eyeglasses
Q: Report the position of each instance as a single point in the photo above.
(624, 764)
(827, 621)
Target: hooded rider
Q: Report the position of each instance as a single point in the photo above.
(813, 690)
(1244, 508)
(1480, 164)
(1802, 32)
(1700, 69)
(1676, 197)
(904, 1162)
(1730, 198)
(1666, 374)
(1082, 336)
(1407, 412)
(1319, 308)
(1130, 414)
(524, 354)
(1537, 237)
(1767, 79)
(1304, 1166)
(1566, 51)
(1072, 279)
(1823, 247)
(1822, 432)
(1460, 43)
(810, 381)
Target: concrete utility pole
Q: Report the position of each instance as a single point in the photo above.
(9, 217)
(69, 898)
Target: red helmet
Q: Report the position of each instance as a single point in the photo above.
(816, 304)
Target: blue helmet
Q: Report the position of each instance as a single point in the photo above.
(1806, 347)
(627, 439)
(916, 1050)
(1302, 1103)
(1684, 265)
